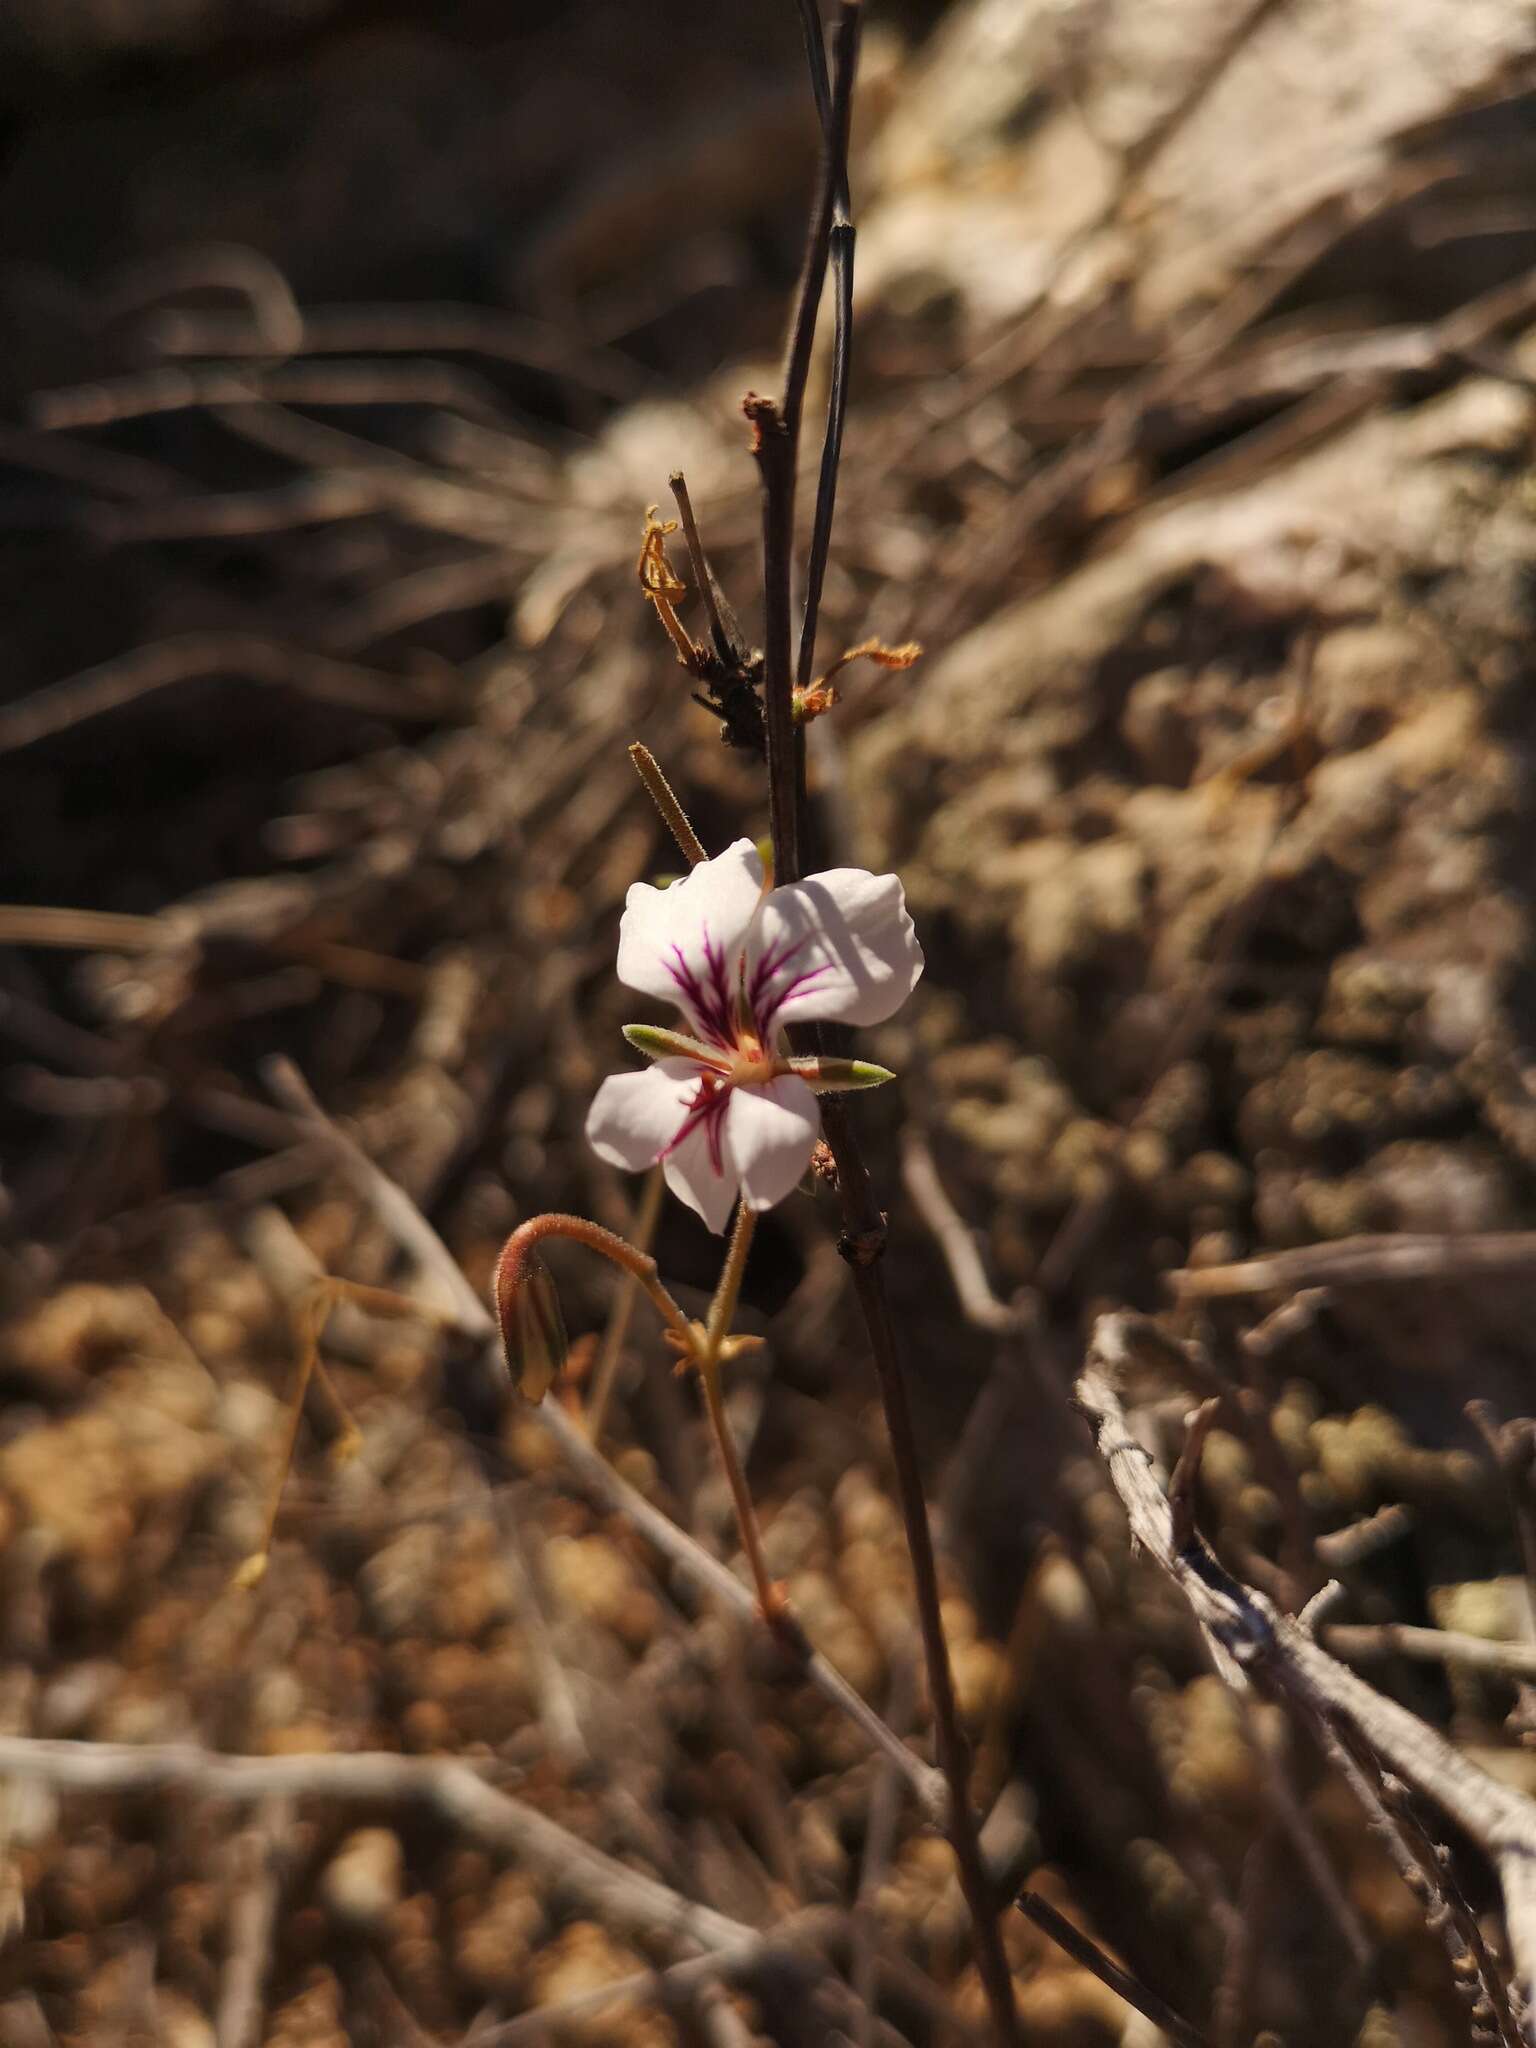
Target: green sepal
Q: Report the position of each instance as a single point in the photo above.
(659, 1044)
(824, 1076)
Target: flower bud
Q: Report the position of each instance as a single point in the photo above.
(532, 1328)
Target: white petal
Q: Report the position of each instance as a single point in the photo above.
(635, 1117)
(769, 1133)
(838, 946)
(703, 1176)
(683, 944)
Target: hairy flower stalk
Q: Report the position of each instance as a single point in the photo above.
(528, 1309)
(533, 1339)
(726, 1108)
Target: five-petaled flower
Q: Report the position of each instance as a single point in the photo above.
(726, 1106)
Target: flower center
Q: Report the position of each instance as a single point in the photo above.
(752, 1063)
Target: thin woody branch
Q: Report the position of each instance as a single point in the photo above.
(1073, 1942)
(776, 445)
(776, 429)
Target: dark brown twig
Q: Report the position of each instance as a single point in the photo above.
(723, 628)
(831, 194)
(1512, 1447)
(840, 251)
(776, 442)
(1186, 1473)
(863, 1238)
(1121, 1982)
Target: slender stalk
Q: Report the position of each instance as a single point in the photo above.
(775, 455)
(663, 796)
(606, 1371)
(703, 575)
(832, 447)
(722, 1309)
(831, 189)
(707, 1357)
(309, 1316)
(863, 1239)
(769, 1597)
(840, 249)
(862, 1244)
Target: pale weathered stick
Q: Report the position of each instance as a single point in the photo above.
(394, 1208)
(259, 1861)
(453, 1791)
(1356, 1261)
(706, 1571)
(1252, 1642)
(956, 1241)
(794, 1940)
(1363, 1642)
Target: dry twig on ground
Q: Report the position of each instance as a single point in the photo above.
(1252, 1643)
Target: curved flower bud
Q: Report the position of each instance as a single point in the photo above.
(532, 1327)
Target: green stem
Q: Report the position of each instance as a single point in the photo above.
(716, 1330)
(728, 1290)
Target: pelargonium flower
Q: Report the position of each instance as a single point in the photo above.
(726, 1107)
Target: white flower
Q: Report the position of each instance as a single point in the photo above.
(725, 1107)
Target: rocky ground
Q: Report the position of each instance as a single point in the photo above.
(1192, 437)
